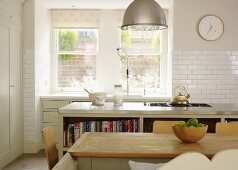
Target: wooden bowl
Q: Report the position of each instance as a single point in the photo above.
(189, 134)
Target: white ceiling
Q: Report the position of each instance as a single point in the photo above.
(95, 4)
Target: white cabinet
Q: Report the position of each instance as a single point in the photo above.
(4, 91)
(11, 129)
(50, 116)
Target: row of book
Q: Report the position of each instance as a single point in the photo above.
(73, 131)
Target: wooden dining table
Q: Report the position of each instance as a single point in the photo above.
(112, 151)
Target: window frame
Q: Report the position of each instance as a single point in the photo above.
(55, 88)
(163, 67)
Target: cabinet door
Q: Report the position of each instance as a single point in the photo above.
(16, 130)
(4, 91)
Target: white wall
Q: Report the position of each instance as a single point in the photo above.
(108, 43)
(187, 14)
(36, 72)
(29, 76)
(42, 58)
(209, 69)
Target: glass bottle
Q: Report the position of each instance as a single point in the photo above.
(118, 95)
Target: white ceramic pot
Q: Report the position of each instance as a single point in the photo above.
(93, 96)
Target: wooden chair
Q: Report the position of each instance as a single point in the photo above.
(164, 126)
(50, 147)
(188, 161)
(227, 128)
(65, 163)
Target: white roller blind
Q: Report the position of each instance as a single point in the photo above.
(120, 15)
(75, 18)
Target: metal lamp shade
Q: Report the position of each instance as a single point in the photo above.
(144, 15)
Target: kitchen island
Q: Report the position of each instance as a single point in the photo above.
(144, 114)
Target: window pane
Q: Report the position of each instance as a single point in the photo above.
(76, 71)
(144, 71)
(81, 40)
(140, 41)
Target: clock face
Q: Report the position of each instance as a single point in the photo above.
(210, 27)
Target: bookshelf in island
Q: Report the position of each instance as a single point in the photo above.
(79, 117)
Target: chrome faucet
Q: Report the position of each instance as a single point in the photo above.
(119, 51)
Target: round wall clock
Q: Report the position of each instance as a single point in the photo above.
(210, 27)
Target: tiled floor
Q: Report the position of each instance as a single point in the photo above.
(29, 162)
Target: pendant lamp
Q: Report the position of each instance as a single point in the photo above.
(144, 15)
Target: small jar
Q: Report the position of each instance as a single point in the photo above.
(118, 95)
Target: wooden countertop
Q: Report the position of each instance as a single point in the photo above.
(147, 145)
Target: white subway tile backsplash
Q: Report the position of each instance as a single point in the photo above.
(177, 61)
(181, 82)
(180, 67)
(212, 76)
(232, 57)
(184, 57)
(197, 81)
(179, 72)
(177, 53)
(192, 53)
(201, 71)
(235, 62)
(234, 53)
(180, 77)
(198, 62)
(196, 67)
(188, 62)
(215, 96)
(197, 77)
(227, 53)
(221, 72)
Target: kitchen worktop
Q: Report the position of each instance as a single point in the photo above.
(139, 107)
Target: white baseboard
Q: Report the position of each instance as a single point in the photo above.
(32, 146)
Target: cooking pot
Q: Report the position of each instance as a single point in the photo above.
(181, 99)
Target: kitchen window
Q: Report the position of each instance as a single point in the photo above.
(85, 55)
(146, 61)
(76, 51)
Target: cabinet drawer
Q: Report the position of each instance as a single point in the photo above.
(50, 117)
(54, 104)
(55, 128)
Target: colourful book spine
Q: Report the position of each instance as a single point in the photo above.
(126, 126)
(65, 136)
(91, 126)
(76, 131)
(70, 135)
(129, 125)
(123, 125)
(134, 125)
(81, 129)
(98, 126)
(114, 126)
(108, 126)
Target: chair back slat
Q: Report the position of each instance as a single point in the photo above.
(164, 126)
(50, 147)
(227, 128)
